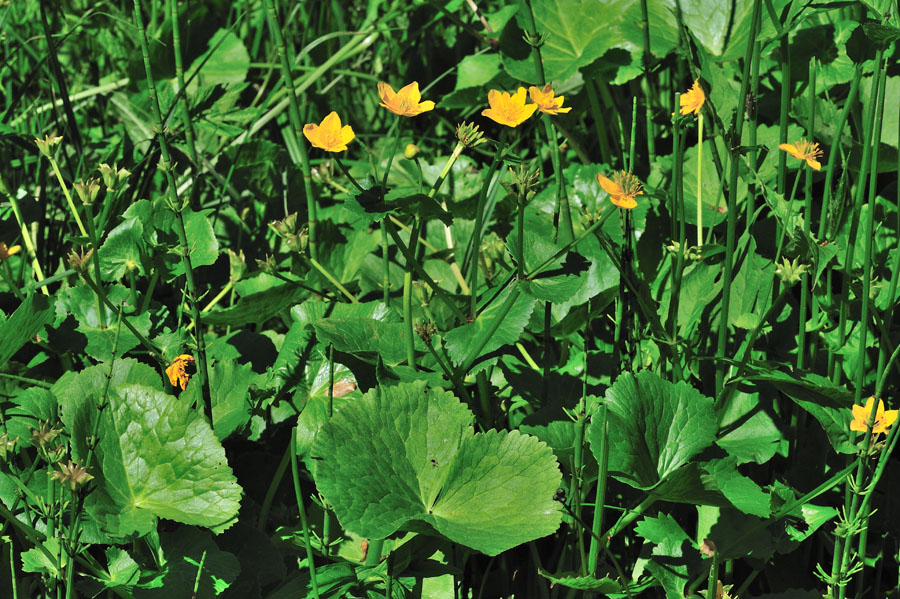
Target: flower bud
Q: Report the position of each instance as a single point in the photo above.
(411, 151)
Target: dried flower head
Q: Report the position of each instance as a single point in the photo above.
(47, 145)
(181, 370)
(404, 102)
(329, 135)
(545, 100)
(87, 191)
(622, 189)
(804, 150)
(80, 260)
(508, 109)
(72, 475)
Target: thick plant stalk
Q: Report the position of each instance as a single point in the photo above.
(805, 295)
(728, 266)
(178, 208)
(179, 77)
(285, 49)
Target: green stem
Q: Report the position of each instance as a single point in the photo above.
(92, 232)
(713, 576)
(699, 179)
(179, 78)
(286, 50)
(407, 301)
(177, 208)
(65, 189)
(805, 295)
(479, 225)
(600, 419)
(333, 280)
(728, 265)
(26, 237)
(789, 223)
(310, 557)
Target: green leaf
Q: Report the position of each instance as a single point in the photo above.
(500, 324)
(226, 60)
(230, 384)
(708, 21)
(584, 583)
(366, 338)
(414, 453)
(160, 458)
(750, 434)
(577, 32)
(28, 319)
(827, 403)
(667, 561)
(655, 428)
(82, 303)
(741, 492)
(257, 307)
(121, 251)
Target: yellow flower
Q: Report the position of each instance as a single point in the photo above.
(406, 101)
(181, 370)
(883, 418)
(622, 189)
(329, 135)
(804, 150)
(545, 101)
(6, 252)
(692, 100)
(508, 109)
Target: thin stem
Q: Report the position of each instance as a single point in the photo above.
(179, 78)
(65, 189)
(333, 280)
(728, 264)
(26, 237)
(310, 557)
(699, 179)
(285, 50)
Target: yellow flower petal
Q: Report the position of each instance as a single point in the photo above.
(546, 102)
(804, 150)
(329, 135)
(181, 370)
(692, 100)
(406, 101)
(508, 109)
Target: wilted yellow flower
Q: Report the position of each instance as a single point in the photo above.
(545, 100)
(6, 252)
(622, 189)
(692, 100)
(181, 370)
(804, 150)
(404, 102)
(329, 135)
(883, 418)
(509, 110)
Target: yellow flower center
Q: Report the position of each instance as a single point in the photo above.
(628, 183)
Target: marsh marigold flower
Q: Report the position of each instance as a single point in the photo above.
(181, 370)
(883, 418)
(804, 150)
(692, 100)
(622, 189)
(6, 252)
(546, 102)
(404, 102)
(329, 135)
(508, 109)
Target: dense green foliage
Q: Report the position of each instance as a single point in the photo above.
(605, 346)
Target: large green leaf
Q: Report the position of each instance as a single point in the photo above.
(667, 563)
(576, 32)
(257, 307)
(36, 311)
(498, 325)
(655, 427)
(160, 458)
(226, 60)
(367, 338)
(413, 453)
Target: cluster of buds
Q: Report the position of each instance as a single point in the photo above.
(469, 135)
(426, 330)
(48, 144)
(523, 182)
(87, 190)
(791, 272)
(7, 446)
(295, 235)
(690, 252)
(268, 265)
(323, 172)
(112, 175)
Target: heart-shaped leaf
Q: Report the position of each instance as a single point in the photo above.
(405, 457)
